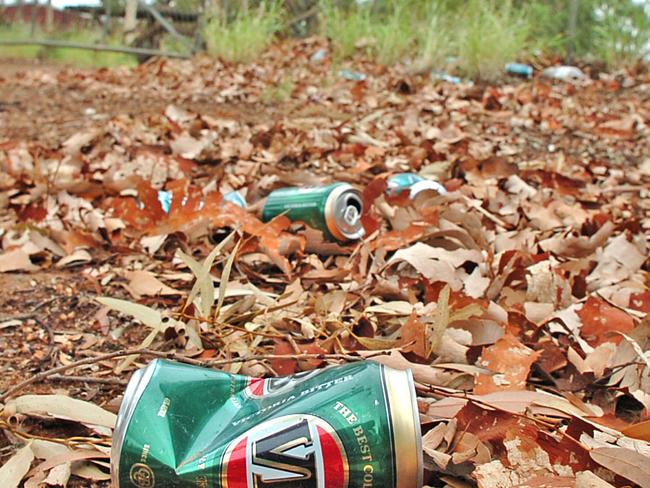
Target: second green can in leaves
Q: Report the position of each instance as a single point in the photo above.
(334, 209)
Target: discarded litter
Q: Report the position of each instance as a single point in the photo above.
(520, 69)
(352, 75)
(415, 184)
(335, 209)
(236, 198)
(165, 198)
(441, 75)
(319, 55)
(565, 73)
(343, 426)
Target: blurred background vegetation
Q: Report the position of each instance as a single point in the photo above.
(472, 38)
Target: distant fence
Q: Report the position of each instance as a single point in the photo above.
(60, 19)
(141, 31)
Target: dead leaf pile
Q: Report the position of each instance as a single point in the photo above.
(519, 298)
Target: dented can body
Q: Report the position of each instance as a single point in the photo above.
(412, 183)
(166, 197)
(341, 427)
(335, 209)
(520, 69)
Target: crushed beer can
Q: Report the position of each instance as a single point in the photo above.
(347, 426)
(564, 73)
(335, 209)
(415, 184)
(520, 69)
(320, 55)
(352, 75)
(441, 75)
(236, 198)
(165, 198)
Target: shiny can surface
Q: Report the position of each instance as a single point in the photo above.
(166, 197)
(413, 183)
(520, 69)
(335, 209)
(341, 427)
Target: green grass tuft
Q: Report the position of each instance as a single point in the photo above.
(247, 36)
(395, 35)
(490, 35)
(14, 32)
(345, 28)
(435, 45)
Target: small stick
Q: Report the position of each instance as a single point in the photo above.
(167, 355)
(89, 379)
(50, 335)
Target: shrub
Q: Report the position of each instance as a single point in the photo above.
(436, 41)
(490, 35)
(346, 27)
(621, 33)
(246, 36)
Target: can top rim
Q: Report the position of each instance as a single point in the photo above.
(336, 210)
(407, 436)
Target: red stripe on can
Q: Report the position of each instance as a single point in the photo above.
(237, 474)
(333, 459)
(256, 386)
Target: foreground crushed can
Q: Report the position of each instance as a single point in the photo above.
(348, 426)
(335, 209)
(415, 184)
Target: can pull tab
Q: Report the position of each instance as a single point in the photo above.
(351, 215)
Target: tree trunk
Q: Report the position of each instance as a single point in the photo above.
(49, 16)
(32, 29)
(130, 20)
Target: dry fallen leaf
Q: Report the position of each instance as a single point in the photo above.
(510, 360)
(78, 257)
(59, 475)
(145, 283)
(421, 373)
(638, 431)
(587, 479)
(16, 260)
(60, 406)
(624, 462)
(13, 471)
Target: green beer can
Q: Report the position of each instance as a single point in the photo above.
(335, 209)
(350, 426)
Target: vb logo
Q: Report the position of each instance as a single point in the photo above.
(259, 387)
(287, 452)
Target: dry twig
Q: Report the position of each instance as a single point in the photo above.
(168, 355)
